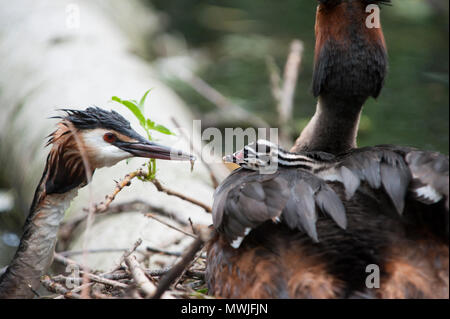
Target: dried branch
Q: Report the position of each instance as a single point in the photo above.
(66, 230)
(150, 215)
(140, 279)
(283, 90)
(95, 251)
(140, 205)
(291, 71)
(126, 181)
(127, 254)
(157, 272)
(100, 279)
(187, 268)
(164, 252)
(163, 189)
(105, 281)
(275, 78)
(188, 257)
(192, 226)
(92, 277)
(66, 261)
(57, 288)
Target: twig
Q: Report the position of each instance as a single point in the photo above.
(105, 281)
(214, 179)
(118, 275)
(164, 252)
(161, 188)
(80, 288)
(93, 278)
(284, 91)
(127, 254)
(95, 251)
(66, 261)
(157, 272)
(139, 205)
(52, 286)
(187, 268)
(187, 258)
(275, 78)
(101, 279)
(141, 280)
(126, 181)
(290, 76)
(66, 230)
(192, 226)
(163, 271)
(76, 290)
(150, 215)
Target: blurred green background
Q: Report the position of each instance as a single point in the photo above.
(237, 36)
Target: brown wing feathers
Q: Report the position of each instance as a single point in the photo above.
(247, 199)
(295, 196)
(378, 167)
(362, 178)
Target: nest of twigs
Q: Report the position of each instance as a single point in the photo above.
(131, 278)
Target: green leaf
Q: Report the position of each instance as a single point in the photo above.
(150, 125)
(162, 129)
(133, 108)
(203, 290)
(142, 101)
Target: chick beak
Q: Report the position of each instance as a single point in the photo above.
(153, 150)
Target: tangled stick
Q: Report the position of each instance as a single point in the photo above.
(136, 272)
(177, 270)
(163, 189)
(150, 215)
(55, 287)
(126, 181)
(140, 279)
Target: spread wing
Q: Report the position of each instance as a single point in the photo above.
(246, 199)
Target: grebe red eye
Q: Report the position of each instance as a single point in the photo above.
(109, 137)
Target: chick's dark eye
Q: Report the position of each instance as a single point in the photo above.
(109, 137)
